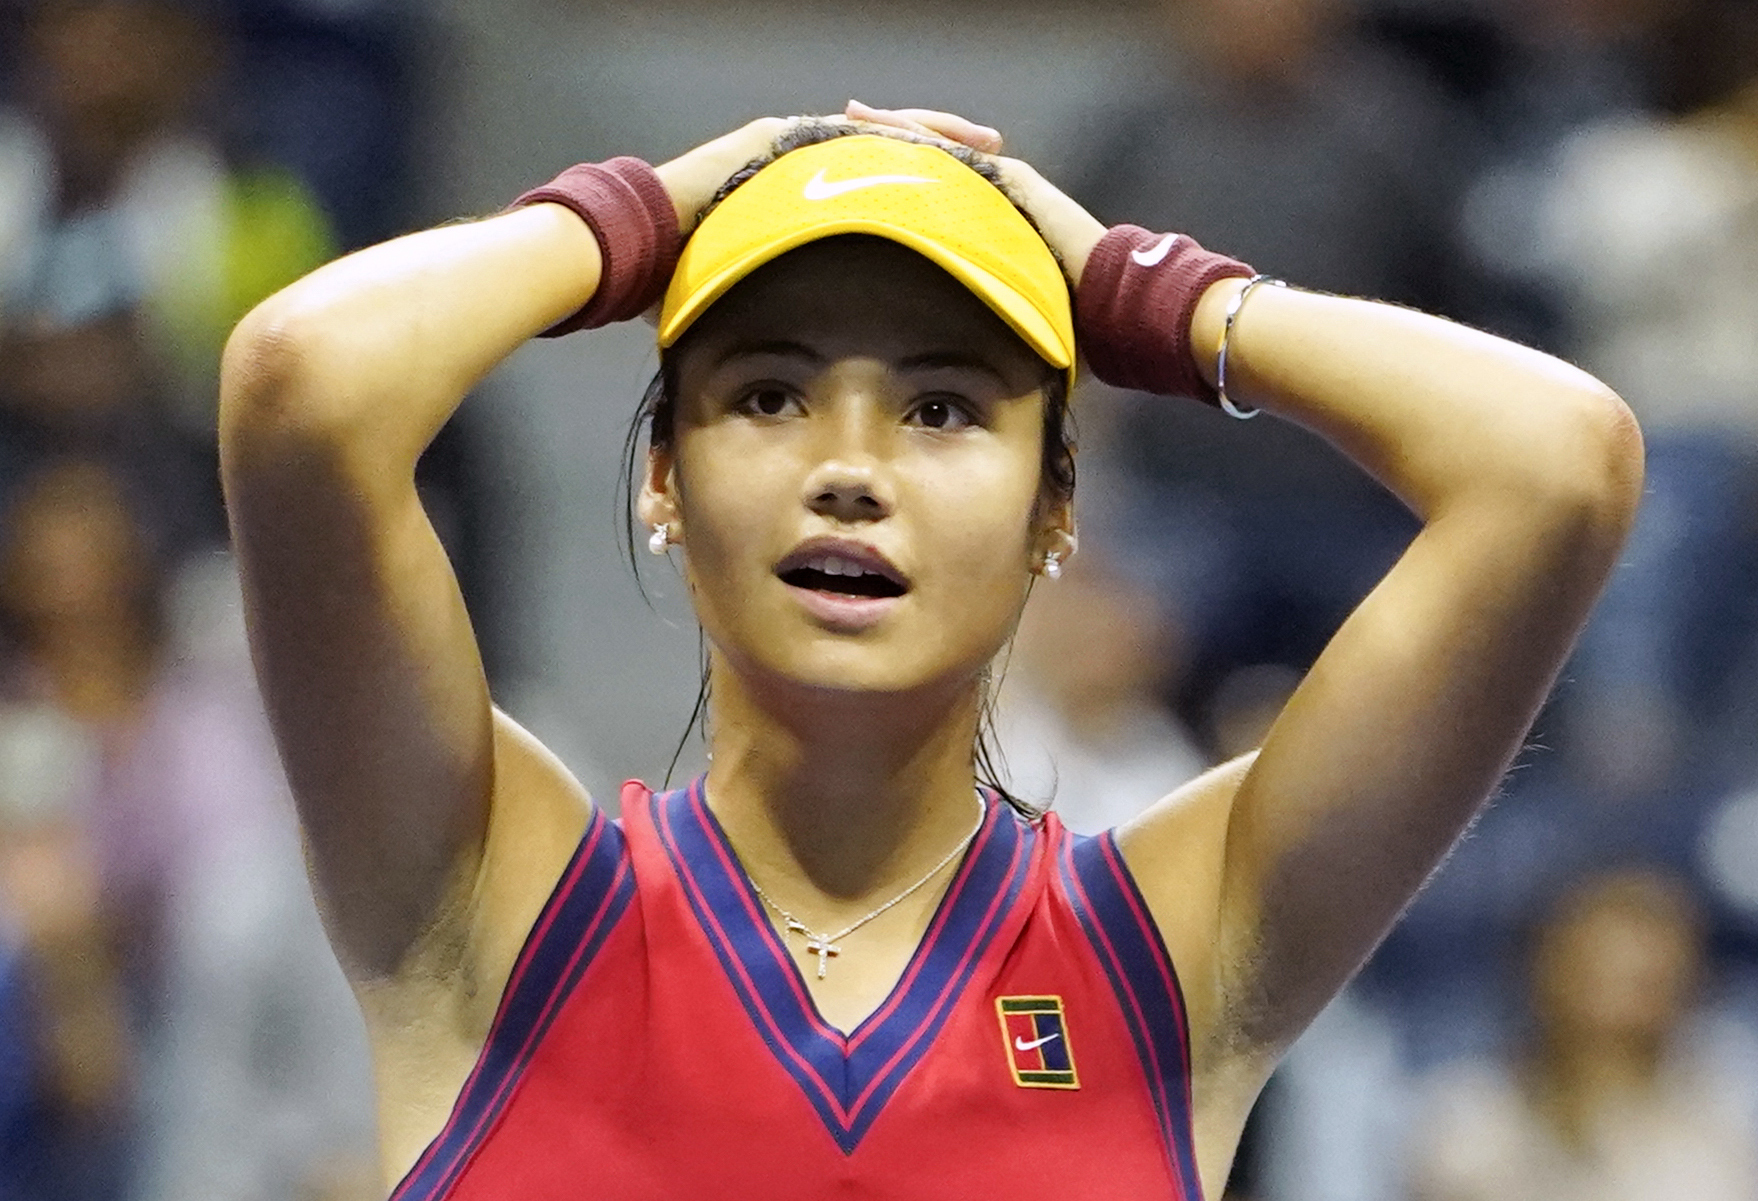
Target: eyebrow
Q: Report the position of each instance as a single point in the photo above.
(955, 359)
(773, 347)
(932, 360)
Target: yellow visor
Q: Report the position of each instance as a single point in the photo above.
(914, 194)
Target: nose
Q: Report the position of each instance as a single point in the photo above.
(849, 482)
(846, 491)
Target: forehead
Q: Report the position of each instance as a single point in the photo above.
(861, 295)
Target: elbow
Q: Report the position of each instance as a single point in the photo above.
(1584, 471)
(272, 376)
(259, 359)
(1607, 467)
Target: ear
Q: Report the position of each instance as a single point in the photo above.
(1057, 534)
(657, 503)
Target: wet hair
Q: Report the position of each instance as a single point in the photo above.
(654, 426)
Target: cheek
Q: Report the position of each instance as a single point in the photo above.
(972, 520)
(977, 515)
(992, 486)
(732, 493)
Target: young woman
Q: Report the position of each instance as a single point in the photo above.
(835, 966)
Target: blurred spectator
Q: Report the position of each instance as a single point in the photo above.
(1615, 1096)
(249, 1080)
(1560, 67)
(112, 198)
(95, 389)
(1269, 130)
(65, 1035)
(339, 93)
(1648, 228)
(1082, 716)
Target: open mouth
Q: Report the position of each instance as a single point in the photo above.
(842, 574)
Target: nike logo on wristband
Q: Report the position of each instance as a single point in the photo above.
(1156, 255)
(819, 188)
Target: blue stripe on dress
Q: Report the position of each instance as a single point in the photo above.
(1117, 924)
(588, 900)
(847, 1080)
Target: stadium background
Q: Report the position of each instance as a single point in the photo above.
(1572, 1001)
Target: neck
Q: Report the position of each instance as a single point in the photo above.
(847, 794)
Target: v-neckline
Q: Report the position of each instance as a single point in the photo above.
(848, 1077)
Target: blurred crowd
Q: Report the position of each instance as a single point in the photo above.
(172, 1024)
(1569, 1011)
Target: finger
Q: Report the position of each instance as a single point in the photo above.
(932, 122)
(889, 118)
(907, 131)
(957, 128)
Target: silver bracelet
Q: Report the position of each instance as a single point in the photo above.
(1233, 307)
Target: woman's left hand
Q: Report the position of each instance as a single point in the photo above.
(1071, 231)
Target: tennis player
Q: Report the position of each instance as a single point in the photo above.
(839, 965)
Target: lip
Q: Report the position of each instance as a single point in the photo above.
(870, 558)
(845, 614)
(838, 611)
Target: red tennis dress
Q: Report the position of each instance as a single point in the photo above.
(657, 1041)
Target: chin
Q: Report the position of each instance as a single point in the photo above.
(855, 669)
(901, 651)
(878, 667)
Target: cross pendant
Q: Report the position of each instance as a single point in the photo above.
(823, 948)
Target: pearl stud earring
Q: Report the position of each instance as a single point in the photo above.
(660, 538)
(1053, 565)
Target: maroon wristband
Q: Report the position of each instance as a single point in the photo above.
(631, 215)
(1133, 308)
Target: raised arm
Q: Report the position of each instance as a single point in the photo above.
(431, 820)
(1275, 877)
(330, 390)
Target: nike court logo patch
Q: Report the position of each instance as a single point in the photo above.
(1156, 254)
(1034, 1033)
(819, 188)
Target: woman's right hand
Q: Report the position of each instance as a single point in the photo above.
(693, 178)
(1071, 231)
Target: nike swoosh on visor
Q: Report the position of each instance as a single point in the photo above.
(819, 188)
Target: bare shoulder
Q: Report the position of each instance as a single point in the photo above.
(429, 1023)
(1176, 851)
(539, 814)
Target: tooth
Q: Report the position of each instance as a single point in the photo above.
(835, 566)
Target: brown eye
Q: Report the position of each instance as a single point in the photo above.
(766, 400)
(941, 413)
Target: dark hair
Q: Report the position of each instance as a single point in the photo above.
(656, 416)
